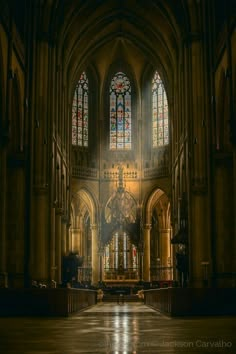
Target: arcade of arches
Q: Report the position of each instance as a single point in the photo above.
(118, 133)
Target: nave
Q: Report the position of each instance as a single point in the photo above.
(129, 328)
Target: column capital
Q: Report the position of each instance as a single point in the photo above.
(59, 211)
(165, 231)
(147, 226)
(75, 229)
(93, 226)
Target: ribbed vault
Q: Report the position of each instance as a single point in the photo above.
(90, 31)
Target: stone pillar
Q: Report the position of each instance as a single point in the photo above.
(63, 236)
(199, 248)
(53, 246)
(75, 239)
(165, 253)
(58, 246)
(199, 232)
(69, 237)
(95, 255)
(146, 254)
(39, 232)
(40, 262)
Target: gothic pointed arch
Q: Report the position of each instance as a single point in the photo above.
(83, 200)
(158, 222)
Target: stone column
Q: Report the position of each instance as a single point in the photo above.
(40, 238)
(69, 237)
(63, 235)
(146, 255)
(75, 239)
(58, 246)
(199, 233)
(95, 255)
(165, 252)
(53, 246)
(39, 232)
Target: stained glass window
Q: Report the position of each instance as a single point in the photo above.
(80, 113)
(120, 254)
(120, 112)
(160, 120)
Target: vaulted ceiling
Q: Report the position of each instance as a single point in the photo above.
(141, 33)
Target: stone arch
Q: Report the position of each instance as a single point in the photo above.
(151, 199)
(89, 200)
(157, 236)
(83, 204)
(85, 234)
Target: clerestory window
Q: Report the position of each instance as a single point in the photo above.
(80, 112)
(120, 112)
(160, 118)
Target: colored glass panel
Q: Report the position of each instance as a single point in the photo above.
(120, 112)
(80, 112)
(160, 121)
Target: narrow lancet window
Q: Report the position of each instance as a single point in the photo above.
(120, 112)
(160, 119)
(80, 113)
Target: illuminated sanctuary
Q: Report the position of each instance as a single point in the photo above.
(117, 146)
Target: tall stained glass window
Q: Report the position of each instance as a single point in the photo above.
(160, 120)
(80, 113)
(120, 112)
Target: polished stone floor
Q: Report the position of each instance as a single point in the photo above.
(112, 328)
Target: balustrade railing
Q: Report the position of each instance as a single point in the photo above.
(84, 172)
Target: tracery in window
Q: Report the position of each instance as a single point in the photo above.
(120, 112)
(80, 112)
(160, 119)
